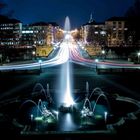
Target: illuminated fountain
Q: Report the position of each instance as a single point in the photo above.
(89, 116)
(67, 25)
(95, 110)
(41, 112)
(66, 76)
(38, 88)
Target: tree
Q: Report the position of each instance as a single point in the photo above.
(90, 35)
(134, 11)
(95, 36)
(133, 15)
(8, 13)
(77, 36)
(2, 6)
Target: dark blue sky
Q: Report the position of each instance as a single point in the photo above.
(29, 11)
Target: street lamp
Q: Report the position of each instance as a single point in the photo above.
(96, 61)
(103, 54)
(33, 54)
(105, 116)
(138, 56)
(40, 61)
(103, 51)
(1, 59)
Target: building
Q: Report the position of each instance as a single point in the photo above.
(42, 36)
(53, 30)
(28, 37)
(44, 33)
(40, 30)
(10, 32)
(116, 28)
(93, 33)
(18, 42)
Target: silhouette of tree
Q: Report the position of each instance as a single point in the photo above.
(78, 36)
(134, 11)
(2, 6)
(90, 35)
(133, 23)
(95, 37)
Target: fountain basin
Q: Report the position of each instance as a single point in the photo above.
(123, 110)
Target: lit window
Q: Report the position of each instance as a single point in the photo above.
(96, 32)
(102, 32)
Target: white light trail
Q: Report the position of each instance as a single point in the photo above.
(61, 57)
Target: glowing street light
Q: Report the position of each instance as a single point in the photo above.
(1, 58)
(33, 54)
(82, 47)
(32, 116)
(105, 115)
(96, 61)
(103, 54)
(138, 56)
(40, 61)
(103, 51)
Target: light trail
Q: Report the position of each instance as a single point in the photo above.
(77, 58)
(62, 56)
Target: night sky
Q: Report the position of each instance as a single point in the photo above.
(29, 11)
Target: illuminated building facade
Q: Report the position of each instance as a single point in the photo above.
(93, 33)
(53, 28)
(44, 33)
(28, 38)
(40, 33)
(10, 32)
(116, 28)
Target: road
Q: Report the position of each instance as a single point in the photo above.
(69, 50)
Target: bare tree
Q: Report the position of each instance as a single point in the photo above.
(2, 6)
(90, 35)
(133, 15)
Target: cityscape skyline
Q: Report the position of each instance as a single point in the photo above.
(69, 69)
(49, 11)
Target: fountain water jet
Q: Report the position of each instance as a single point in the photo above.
(87, 89)
(41, 89)
(67, 24)
(41, 112)
(38, 88)
(68, 98)
(65, 79)
(101, 95)
(67, 35)
(88, 109)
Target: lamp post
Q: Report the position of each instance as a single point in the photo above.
(105, 116)
(96, 61)
(138, 56)
(1, 59)
(103, 54)
(40, 61)
(33, 54)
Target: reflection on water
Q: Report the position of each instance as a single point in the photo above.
(66, 122)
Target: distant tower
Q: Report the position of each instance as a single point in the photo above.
(91, 18)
